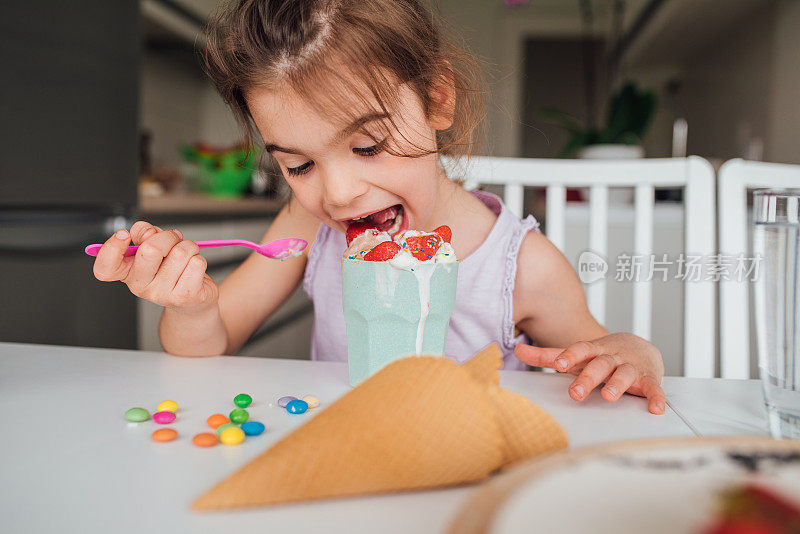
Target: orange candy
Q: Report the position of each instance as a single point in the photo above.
(206, 439)
(164, 434)
(216, 420)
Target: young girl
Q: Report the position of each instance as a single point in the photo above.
(355, 100)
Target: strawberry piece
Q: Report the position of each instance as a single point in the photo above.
(423, 247)
(444, 232)
(773, 504)
(741, 526)
(753, 509)
(355, 230)
(383, 251)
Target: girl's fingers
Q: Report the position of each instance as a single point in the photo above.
(110, 264)
(576, 354)
(595, 372)
(190, 284)
(148, 260)
(173, 266)
(622, 379)
(142, 230)
(537, 356)
(655, 395)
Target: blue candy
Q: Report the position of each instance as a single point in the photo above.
(297, 406)
(252, 428)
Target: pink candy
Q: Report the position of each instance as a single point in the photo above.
(164, 418)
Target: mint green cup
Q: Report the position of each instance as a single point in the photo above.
(382, 312)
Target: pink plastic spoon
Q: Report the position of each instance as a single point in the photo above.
(282, 248)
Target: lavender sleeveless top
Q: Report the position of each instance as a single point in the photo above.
(483, 311)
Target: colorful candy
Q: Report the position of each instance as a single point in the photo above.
(242, 400)
(164, 418)
(232, 435)
(226, 426)
(137, 415)
(297, 406)
(311, 400)
(164, 434)
(229, 430)
(252, 428)
(205, 439)
(283, 401)
(239, 415)
(167, 406)
(216, 420)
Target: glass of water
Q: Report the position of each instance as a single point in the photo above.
(776, 241)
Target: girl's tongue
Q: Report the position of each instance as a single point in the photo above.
(390, 220)
(382, 220)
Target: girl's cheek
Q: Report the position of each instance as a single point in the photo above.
(309, 195)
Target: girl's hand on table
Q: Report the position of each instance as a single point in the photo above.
(166, 270)
(624, 362)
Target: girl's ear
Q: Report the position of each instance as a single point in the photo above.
(443, 100)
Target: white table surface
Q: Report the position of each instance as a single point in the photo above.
(69, 462)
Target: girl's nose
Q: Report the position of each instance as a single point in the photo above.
(342, 186)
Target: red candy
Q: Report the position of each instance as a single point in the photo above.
(383, 251)
(355, 230)
(445, 233)
(423, 247)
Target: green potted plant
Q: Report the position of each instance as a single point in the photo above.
(630, 114)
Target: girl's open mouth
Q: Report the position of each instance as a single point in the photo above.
(391, 220)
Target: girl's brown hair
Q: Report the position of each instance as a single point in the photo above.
(374, 44)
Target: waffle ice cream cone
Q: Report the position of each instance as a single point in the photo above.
(421, 422)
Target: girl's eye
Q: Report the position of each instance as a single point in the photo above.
(302, 169)
(373, 150)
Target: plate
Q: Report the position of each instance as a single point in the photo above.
(668, 486)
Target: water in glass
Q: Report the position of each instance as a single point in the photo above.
(776, 241)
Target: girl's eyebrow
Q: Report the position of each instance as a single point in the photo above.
(349, 130)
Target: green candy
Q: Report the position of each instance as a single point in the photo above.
(220, 428)
(242, 400)
(137, 415)
(239, 415)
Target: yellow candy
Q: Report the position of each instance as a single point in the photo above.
(312, 401)
(232, 436)
(167, 406)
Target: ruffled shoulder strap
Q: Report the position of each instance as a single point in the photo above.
(314, 254)
(521, 229)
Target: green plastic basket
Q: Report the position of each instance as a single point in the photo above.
(222, 174)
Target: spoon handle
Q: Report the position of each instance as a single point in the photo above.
(93, 249)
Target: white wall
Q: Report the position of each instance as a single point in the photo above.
(726, 93)
(740, 91)
(783, 130)
(497, 35)
(217, 125)
(170, 99)
(178, 104)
